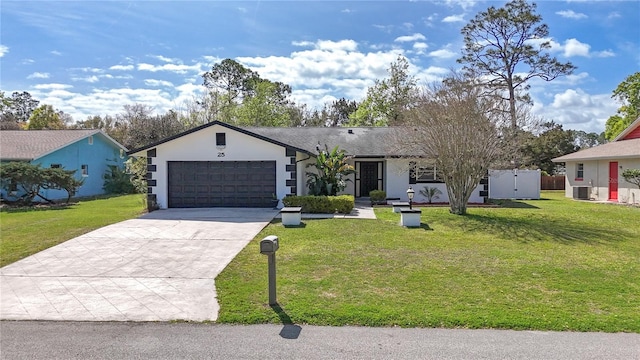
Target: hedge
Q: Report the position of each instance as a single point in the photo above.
(342, 204)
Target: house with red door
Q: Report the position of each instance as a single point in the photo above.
(596, 173)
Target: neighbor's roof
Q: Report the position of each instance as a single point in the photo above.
(632, 128)
(614, 150)
(27, 145)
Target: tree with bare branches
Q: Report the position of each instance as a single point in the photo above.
(458, 129)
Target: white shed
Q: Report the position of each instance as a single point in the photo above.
(514, 184)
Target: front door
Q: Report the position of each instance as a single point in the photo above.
(368, 177)
(613, 180)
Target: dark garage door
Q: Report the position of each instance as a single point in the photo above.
(221, 183)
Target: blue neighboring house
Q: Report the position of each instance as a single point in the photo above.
(89, 152)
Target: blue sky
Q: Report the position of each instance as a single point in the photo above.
(93, 57)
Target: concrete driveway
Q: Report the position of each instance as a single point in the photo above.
(158, 267)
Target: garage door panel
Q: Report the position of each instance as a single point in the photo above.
(215, 184)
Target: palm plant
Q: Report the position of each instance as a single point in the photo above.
(331, 173)
(431, 193)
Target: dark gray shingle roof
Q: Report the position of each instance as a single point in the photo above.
(356, 141)
(33, 144)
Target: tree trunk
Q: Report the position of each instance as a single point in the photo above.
(457, 198)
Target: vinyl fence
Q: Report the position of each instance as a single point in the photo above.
(514, 184)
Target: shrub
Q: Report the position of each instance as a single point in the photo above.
(431, 193)
(137, 168)
(378, 196)
(342, 204)
(117, 181)
(632, 176)
(332, 171)
(29, 179)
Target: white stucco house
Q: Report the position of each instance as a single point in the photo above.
(596, 173)
(220, 165)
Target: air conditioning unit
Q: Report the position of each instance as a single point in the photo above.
(581, 192)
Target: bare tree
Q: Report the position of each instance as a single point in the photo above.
(457, 128)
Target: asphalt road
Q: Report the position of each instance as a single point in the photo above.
(112, 340)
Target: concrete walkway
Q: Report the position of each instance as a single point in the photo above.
(158, 267)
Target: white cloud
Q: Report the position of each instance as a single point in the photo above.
(56, 53)
(453, 18)
(166, 59)
(346, 11)
(38, 75)
(342, 45)
(578, 110)
(176, 68)
(409, 38)
(27, 61)
(605, 53)
(613, 15)
(384, 28)
(443, 54)
(573, 79)
(336, 67)
(573, 47)
(431, 74)
(429, 20)
(464, 4)
(3, 50)
(53, 86)
(89, 79)
(121, 67)
(99, 101)
(157, 83)
(92, 70)
(302, 43)
(570, 14)
(420, 47)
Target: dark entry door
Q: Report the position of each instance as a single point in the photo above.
(368, 177)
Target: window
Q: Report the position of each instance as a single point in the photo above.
(13, 187)
(56, 166)
(221, 140)
(91, 140)
(579, 171)
(423, 173)
(84, 169)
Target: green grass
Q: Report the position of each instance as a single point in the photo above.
(26, 231)
(552, 264)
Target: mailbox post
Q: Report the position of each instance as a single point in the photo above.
(269, 246)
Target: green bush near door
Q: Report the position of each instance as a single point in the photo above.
(342, 204)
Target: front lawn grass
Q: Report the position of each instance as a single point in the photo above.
(26, 231)
(551, 264)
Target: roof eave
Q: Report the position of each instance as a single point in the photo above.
(138, 152)
(588, 158)
(629, 128)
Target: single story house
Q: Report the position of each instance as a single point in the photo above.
(596, 173)
(220, 165)
(89, 152)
